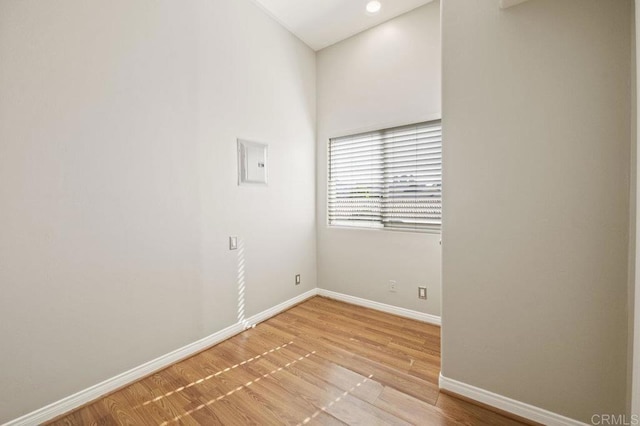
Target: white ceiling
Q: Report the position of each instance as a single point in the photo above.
(321, 23)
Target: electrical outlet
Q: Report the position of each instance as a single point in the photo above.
(393, 286)
(298, 279)
(422, 292)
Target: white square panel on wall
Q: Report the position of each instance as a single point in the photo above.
(252, 162)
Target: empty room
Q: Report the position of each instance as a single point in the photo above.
(361, 212)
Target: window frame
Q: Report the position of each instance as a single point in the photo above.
(381, 129)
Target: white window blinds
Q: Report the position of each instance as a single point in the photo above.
(389, 178)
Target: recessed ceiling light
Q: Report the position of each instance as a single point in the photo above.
(373, 7)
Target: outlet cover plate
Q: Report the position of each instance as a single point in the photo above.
(422, 293)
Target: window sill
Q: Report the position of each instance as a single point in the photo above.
(382, 229)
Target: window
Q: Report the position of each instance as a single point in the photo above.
(389, 179)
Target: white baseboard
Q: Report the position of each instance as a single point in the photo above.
(408, 313)
(94, 392)
(271, 312)
(513, 406)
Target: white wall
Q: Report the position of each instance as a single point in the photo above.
(537, 126)
(383, 77)
(118, 126)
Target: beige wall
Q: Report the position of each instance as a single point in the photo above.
(386, 76)
(632, 216)
(634, 293)
(537, 125)
(118, 122)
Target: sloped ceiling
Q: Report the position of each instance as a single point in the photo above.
(321, 23)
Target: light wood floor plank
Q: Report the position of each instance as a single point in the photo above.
(334, 351)
(464, 413)
(411, 409)
(325, 419)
